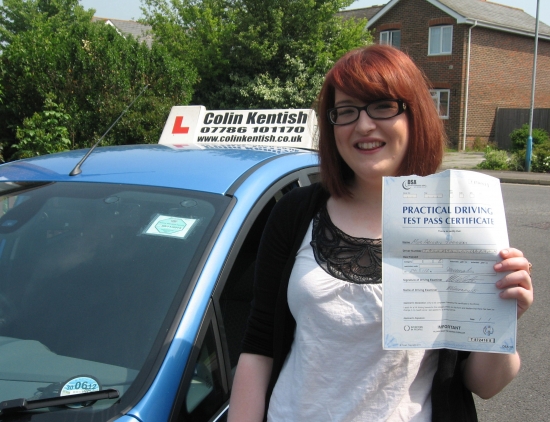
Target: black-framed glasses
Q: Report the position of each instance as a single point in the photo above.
(378, 110)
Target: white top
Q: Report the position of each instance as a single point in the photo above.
(336, 369)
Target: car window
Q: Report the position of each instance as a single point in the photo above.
(205, 394)
(91, 275)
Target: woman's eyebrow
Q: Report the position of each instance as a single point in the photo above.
(344, 102)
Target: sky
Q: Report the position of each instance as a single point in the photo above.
(130, 9)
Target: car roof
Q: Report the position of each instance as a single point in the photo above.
(214, 169)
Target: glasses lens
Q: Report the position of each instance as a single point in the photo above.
(343, 115)
(383, 109)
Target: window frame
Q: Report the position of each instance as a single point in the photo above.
(390, 37)
(436, 96)
(431, 38)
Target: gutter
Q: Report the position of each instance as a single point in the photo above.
(483, 24)
(466, 94)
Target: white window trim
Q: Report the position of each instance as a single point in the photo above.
(389, 34)
(441, 52)
(436, 96)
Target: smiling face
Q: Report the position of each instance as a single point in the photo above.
(415, 139)
(371, 148)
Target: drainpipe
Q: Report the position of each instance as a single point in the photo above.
(467, 87)
(529, 152)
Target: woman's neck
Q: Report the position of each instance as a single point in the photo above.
(367, 193)
(361, 214)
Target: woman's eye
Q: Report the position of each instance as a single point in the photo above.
(385, 105)
(345, 111)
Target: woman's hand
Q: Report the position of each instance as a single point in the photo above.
(517, 284)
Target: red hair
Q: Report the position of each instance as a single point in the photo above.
(371, 73)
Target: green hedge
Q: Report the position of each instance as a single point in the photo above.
(502, 160)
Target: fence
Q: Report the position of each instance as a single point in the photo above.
(509, 119)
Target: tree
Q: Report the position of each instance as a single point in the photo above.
(540, 158)
(519, 137)
(91, 70)
(17, 16)
(256, 54)
(45, 132)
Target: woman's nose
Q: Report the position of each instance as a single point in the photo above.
(365, 122)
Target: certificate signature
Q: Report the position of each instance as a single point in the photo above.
(441, 238)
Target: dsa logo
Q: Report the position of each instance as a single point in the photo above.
(408, 183)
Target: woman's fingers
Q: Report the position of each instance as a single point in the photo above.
(517, 284)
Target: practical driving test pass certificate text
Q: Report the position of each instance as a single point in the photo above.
(441, 238)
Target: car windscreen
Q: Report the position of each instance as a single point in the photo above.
(91, 277)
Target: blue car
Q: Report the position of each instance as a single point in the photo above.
(125, 289)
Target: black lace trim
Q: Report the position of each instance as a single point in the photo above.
(348, 258)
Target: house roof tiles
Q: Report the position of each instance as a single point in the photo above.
(365, 12)
(495, 13)
(137, 30)
(486, 13)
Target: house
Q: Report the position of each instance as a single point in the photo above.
(478, 56)
(137, 30)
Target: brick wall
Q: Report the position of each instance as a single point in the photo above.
(500, 68)
(445, 72)
(501, 71)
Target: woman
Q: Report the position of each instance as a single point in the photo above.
(313, 348)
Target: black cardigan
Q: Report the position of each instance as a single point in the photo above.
(271, 326)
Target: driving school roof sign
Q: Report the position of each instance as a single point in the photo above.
(194, 125)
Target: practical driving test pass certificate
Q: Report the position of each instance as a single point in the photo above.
(441, 237)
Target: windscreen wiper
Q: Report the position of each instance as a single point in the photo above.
(20, 405)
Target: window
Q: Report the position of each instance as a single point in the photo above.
(205, 395)
(391, 38)
(441, 101)
(75, 259)
(441, 40)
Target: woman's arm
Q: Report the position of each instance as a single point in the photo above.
(486, 374)
(247, 402)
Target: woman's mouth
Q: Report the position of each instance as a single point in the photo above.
(366, 146)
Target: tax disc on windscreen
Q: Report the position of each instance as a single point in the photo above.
(79, 385)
